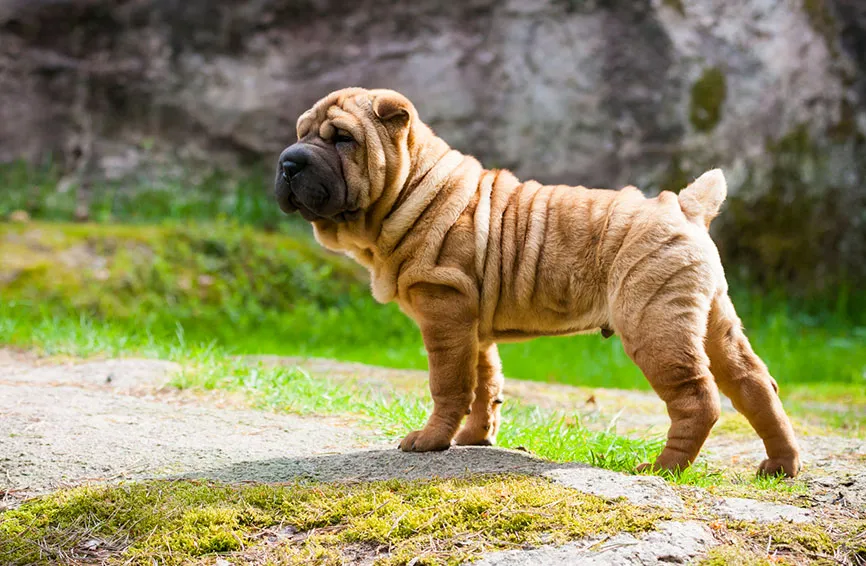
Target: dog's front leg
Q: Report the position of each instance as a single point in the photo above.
(482, 424)
(449, 325)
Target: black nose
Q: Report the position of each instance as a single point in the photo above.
(291, 168)
(292, 161)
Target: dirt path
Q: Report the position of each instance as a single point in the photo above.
(69, 423)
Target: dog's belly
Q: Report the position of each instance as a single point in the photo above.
(569, 310)
(553, 273)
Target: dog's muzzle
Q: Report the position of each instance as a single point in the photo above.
(309, 179)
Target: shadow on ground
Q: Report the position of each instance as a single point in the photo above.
(366, 465)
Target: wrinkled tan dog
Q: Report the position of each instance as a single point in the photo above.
(476, 257)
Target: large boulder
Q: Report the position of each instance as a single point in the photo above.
(591, 92)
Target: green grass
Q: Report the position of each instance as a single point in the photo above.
(438, 521)
(148, 287)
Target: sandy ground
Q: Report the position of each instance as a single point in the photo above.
(69, 423)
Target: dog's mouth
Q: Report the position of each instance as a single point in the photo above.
(285, 199)
(290, 204)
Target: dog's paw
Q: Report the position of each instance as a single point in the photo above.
(474, 437)
(424, 441)
(789, 466)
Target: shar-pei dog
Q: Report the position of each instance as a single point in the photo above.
(477, 257)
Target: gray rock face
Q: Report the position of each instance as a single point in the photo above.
(674, 543)
(645, 92)
(650, 491)
(741, 509)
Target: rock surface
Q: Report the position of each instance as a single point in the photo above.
(73, 423)
(674, 542)
(741, 509)
(645, 92)
(648, 491)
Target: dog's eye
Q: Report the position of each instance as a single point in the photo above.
(342, 136)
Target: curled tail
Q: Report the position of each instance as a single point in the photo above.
(701, 200)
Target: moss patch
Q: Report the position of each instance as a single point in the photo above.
(730, 554)
(748, 485)
(708, 98)
(803, 225)
(836, 542)
(126, 271)
(444, 521)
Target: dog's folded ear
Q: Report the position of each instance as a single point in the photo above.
(391, 106)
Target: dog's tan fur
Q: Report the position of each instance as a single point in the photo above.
(477, 257)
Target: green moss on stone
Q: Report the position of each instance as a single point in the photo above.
(730, 554)
(755, 544)
(708, 98)
(794, 219)
(442, 521)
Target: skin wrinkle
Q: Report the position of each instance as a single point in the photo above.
(446, 219)
(603, 232)
(491, 285)
(476, 257)
(402, 218)
(666, 244)
(405, 217)
(509, 251)
(482, 223)
(524, 225)
(524, 229)
(622, 283)
(534, 289)
(419, 179)
(528, 271)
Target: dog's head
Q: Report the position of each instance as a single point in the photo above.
(352, 146)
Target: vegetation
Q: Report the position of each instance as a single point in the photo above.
(553, 434)
(395, 522)
(85, 289)
(439, 521)
(753, 544)
(708, 99)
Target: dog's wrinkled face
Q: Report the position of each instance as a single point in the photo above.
(346, 143)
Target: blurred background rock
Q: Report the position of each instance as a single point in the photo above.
(126, 94)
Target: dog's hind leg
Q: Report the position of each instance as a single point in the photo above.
(482, 424)
(665, 339)
(742, 376)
